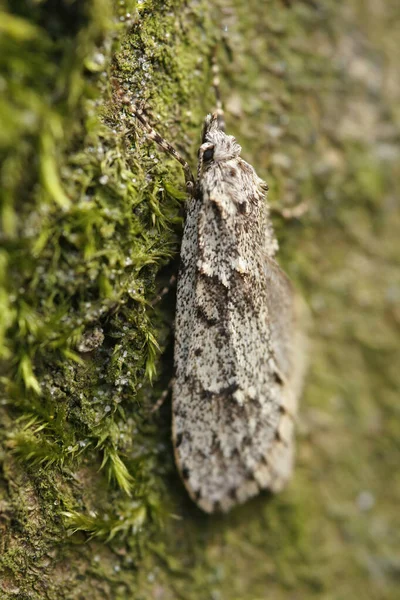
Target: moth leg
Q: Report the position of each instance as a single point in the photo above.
(163, 397)
(292, 213)
(165, 290)
(152, 134)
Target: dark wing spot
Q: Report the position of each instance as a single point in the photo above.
(198, 352)
(233, 172)
(183, 267)
(231, 389)
(185, 473)
(250, 474)
(197, 495)
(217, 210)
(202, 315)
(206, 394)
(178, 440)
(280, 439)
(233, 494)
(181, 412)
(277, 378)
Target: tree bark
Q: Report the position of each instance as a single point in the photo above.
(91, 505)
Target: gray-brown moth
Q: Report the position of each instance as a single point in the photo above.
(238, 356)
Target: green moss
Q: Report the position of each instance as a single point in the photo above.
(91, 213)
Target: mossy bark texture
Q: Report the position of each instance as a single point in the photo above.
(91, 217)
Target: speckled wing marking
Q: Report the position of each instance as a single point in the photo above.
(237, 381)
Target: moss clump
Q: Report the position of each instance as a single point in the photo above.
(87, 220)
(91, 505)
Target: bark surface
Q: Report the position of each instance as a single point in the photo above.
(91, 505)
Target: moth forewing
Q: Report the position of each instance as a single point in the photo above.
(236, 381)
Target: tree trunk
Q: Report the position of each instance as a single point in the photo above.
(91, 505)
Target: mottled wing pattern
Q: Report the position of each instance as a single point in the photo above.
(233, 404)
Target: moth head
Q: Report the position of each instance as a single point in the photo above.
(216, 145)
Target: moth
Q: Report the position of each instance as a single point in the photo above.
(238, 352)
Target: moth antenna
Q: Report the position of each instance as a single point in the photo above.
(152, 134)
(219, 110)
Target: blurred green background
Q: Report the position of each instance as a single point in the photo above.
(91, 505)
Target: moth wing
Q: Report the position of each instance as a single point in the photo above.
(231, 444)
(232, 436)
(281, 315)
(288, 323)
